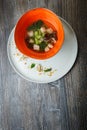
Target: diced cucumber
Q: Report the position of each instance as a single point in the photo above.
(39, 36)
(36, 33)
(43, 34)
(36, 41)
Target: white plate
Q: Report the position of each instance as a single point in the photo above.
(61, 63)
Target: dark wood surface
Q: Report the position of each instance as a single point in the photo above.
(61, 105)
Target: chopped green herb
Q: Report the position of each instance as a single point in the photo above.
(48, 69)
(32, 27)
(35, 25)
(38, 24)
(32, 65)
(42, 46)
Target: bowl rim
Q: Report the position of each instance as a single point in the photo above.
(38, 56)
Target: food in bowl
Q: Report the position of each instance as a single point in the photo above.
(51, 34)
(40, 37)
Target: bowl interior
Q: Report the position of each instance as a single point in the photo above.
(50, 19)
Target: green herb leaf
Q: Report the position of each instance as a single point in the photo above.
(36, 25)
(48, 69)
(42, 46)
(32, 65)
(39, 23)
(32, 27)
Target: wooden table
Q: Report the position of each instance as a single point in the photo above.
(61, 105)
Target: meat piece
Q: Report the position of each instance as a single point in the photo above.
(49, 36)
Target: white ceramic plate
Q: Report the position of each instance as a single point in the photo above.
(61, 63)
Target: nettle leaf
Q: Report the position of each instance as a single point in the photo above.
(36, 25)
(32, 65)
(32, 27)
(42, 46)
(39, 23)
(48, 69)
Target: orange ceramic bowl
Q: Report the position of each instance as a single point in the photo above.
(50, 19)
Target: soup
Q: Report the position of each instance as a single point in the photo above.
(40, 37)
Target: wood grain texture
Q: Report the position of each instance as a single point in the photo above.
(61, 105)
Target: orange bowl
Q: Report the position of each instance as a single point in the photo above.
(50, 19)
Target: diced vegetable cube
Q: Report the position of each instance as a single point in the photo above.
(36, 47)
(43, 29)
(49, 30)
(31, 41)
(53, 40)
(30, 33)
(47, 49)
(50, 45)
